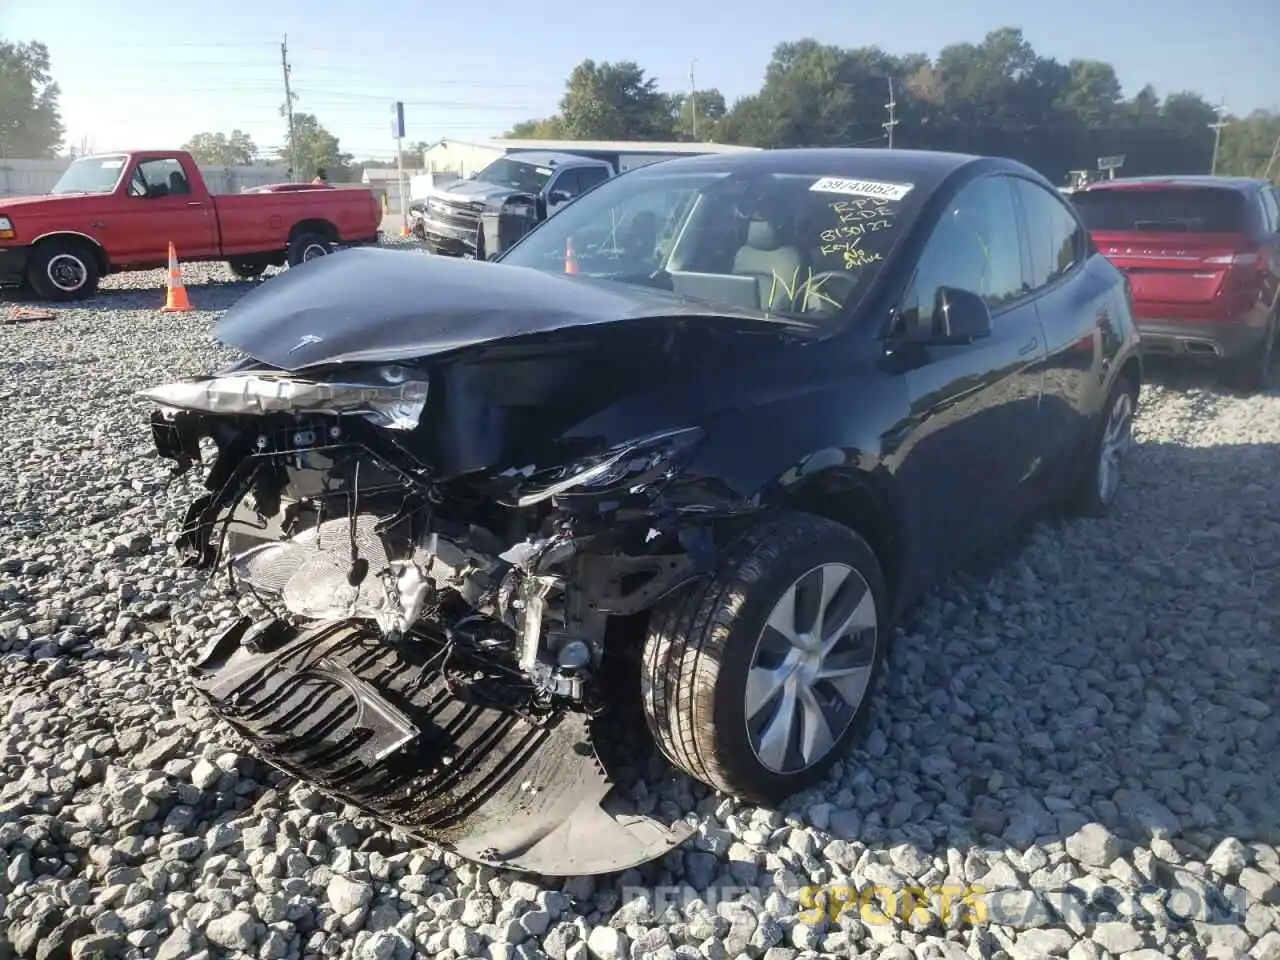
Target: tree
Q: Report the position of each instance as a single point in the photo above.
(317, 149)
(1248, 145)
(30, 123)
(816, 94)
(1187, 110)
(548, 128)
(1092, 93)
(614, 101)
(996, 96)
(706, 106)
(218, 149)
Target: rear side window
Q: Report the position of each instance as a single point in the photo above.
(1270, 209)
(1057, 243)
(589, 177)
(1163, 210)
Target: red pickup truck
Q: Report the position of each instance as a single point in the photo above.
(117, 212)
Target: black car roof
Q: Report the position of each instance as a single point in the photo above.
(926, 169)
(1189, 180)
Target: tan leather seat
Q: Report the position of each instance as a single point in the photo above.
(776, 267)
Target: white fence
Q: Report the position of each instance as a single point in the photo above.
(29, 178)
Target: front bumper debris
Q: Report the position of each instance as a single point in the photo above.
(387, 729)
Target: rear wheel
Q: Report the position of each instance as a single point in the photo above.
(1100, 481)
(308, 246)
(1256, 372)
(756, 681)
(63, 270)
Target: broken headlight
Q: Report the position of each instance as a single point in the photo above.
(388, 396)
(630, 464)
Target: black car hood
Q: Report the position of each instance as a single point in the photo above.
(368, 305)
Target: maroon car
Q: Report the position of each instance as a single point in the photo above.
(1203, 257)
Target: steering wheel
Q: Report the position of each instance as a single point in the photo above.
(815, 297)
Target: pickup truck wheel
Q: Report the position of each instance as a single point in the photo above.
(247, 269)
(308, 246)
(757, 680)
(63, 270)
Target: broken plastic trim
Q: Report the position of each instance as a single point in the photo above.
(388, 398)
(633, 460)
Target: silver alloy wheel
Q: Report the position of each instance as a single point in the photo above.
(66, 272)
(1116, 440)
(313, 250)
(812, 668)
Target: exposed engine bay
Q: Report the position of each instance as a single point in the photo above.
(462, 620)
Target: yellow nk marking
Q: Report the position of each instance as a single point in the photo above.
(812, 291)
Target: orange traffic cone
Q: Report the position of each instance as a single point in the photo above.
(570, 258)
(177, 300)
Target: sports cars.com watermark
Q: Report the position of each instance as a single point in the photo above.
(955, 905)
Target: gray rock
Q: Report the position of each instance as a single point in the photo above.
(1093, 845)
(346, 895)
(235, 931)
(606, 943)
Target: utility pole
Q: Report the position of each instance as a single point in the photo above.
(893, 120)
(1275, 154)
(288, 106)
(1216, 127)
(693, 98)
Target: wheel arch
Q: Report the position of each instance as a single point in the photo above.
(73, 236)
(1131, 370)
(317, 225)
(864, 502)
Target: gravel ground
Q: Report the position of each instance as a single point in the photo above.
(1093, 712)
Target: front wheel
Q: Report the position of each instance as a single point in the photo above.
(63, 270)
(756, 681)
(1110, 447)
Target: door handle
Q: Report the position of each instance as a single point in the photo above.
(1029, 346)
(194, 203)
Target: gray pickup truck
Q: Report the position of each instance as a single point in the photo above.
(487, 212)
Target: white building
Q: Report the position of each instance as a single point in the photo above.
(386, 183)
(463, 157)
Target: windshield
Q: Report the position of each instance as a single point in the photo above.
(1181, 209)
(91, 175)
(795, 245)
(506, 172)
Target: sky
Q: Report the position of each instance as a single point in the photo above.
(151, 76)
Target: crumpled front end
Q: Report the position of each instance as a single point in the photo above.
(447, 652)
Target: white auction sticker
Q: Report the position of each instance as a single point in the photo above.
(863, 188)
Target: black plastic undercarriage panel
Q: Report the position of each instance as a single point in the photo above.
(380, 726)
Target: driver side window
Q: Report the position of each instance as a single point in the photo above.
(161, 177)
(975, 247)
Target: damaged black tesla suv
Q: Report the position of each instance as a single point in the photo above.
(642, 498)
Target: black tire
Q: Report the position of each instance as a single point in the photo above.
(1256, 373)
(307, 246)
(247, 269)
(703, 640)
(63, 270)
(1091, 497)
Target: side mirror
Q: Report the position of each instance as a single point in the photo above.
(560, 196)
(962, 315)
